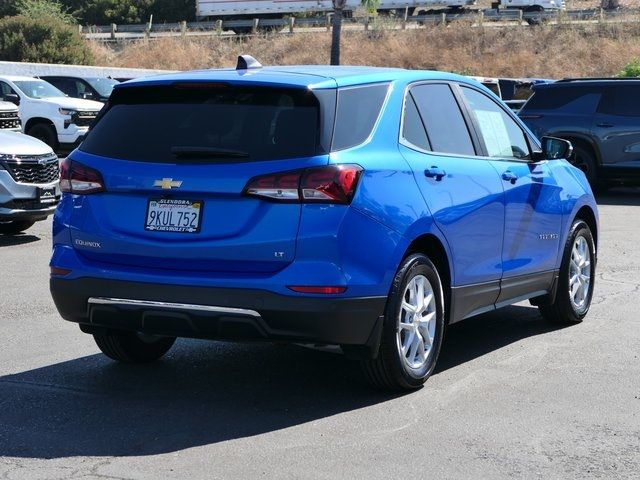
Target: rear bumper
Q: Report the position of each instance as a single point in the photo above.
(217, 313)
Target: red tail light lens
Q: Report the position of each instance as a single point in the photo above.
(318, 290)
(79, 179)
(283, 186)
(330, 184)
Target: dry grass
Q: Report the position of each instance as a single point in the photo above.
(547, 51)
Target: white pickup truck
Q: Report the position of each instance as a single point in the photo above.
(9, 118)
(48, 114)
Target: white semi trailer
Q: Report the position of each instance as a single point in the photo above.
(240, 9)
(272, 9)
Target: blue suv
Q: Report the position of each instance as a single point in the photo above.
(362, 207)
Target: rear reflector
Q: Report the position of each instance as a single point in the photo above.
(59, 272)
(319, 290)
(330, 184)
(79, 179)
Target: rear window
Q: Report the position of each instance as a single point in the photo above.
(357, 113)
(581, 100)
(216, 123)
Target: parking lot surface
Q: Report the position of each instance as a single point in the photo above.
(513, 396)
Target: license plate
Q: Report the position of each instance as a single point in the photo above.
(47, 195)
(173, 215)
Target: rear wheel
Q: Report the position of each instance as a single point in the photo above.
(576, 280)
(15, 226)
(413, 328)
(132, 347)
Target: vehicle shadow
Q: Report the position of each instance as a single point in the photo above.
(475, 337)
(205, 392)
(619, 196)
(20, 239)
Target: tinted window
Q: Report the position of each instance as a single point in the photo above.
(502, 136)
(446, 128)
(622, 100)
(216, 123)
(412, 127)
(358, 110)
(573, 99)
(5, 89)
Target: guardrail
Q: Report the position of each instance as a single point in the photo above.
(291, 23)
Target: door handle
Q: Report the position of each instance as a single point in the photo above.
(435, 172)
(604, 125)
(509, 176)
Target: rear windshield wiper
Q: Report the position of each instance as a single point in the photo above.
(207, 152)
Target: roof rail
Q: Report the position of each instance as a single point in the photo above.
(566, 80)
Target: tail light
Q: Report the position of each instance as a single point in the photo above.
(330, 184)
(79, 179)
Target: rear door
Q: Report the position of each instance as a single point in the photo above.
(462, 191)
(175, 161)
(617, 127)
(533, 208)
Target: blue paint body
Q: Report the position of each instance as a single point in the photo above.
(489, 228)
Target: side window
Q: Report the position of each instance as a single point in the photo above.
(412, 126)
(442, 117)
(5, 89)
(356, 115)
(503, 137)
(570, 99)
(622, 100)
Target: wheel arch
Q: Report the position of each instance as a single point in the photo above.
(36, 120)
(586, 214)
(430, 245)
(582, 139)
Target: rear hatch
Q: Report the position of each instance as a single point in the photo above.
(174, 161)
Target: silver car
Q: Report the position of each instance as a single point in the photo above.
(29, 182)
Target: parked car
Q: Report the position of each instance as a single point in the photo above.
(48, 114)
(601, 118)
(353, 206)
(88, 88)
(29, 190)
(9, 118)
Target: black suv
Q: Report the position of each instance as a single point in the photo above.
(601, 117)
(89, 88)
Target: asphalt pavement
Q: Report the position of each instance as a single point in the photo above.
(513, 396)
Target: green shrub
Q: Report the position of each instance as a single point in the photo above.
(43, 8)
(45, 39)
(631, 69)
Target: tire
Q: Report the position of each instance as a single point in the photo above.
(393, 368)
(132, 347)
(45, 133)
(565, 309)
(584, 159)
(534, 9)
(15, 226)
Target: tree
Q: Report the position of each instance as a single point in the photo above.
(42, 40)
(336, 24)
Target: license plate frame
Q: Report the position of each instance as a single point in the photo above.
(173, 207)
(46, 195)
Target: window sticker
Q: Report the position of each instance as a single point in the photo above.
(495, 133)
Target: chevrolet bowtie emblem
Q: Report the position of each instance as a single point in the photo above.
(167, 183)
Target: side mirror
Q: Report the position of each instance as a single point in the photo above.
(555, 149)
(13, 98)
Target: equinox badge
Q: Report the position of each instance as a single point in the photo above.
(167, 183)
